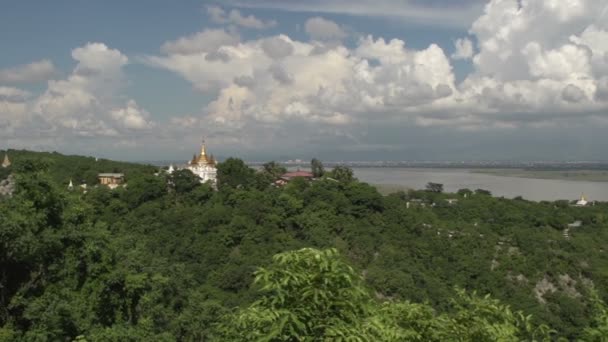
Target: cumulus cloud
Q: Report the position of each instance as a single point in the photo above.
(13, 94)
(13, 108)
(131, 116)
(464, 49)
(573, 94)
(85, 104)
(234, 17)
(34, 72)
(324, 30)
(208, 40)
(276, 81)
(277, 47)
(532, 62)
(453, 13)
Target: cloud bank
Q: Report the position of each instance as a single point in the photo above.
(534, 64)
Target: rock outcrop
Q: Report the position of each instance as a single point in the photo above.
(7, 186)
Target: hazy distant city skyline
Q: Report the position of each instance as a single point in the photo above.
(335, 79)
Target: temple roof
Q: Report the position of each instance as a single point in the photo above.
(203, 158)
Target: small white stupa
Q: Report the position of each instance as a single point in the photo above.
(582, 202)
(171, 169)
(6, 162)
(71, 185)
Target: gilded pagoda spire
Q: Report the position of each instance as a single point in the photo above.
(203, 157)
(203, 149)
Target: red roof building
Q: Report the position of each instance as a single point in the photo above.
(285, 178)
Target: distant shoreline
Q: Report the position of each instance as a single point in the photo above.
(569, 175)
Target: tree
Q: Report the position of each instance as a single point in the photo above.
(234, 173)
(144, 188)
(184, 181)
(274, 170)
(343, 174)
(308, 295)
(317, 168)
(464, 192)
(598, 331)
(312, 295)
(483, 192)
(434, 187)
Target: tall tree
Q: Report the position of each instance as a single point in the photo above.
(343, 174)
(434, 187)
(234, 173)
(317, 168)
(274, 170)
(184, 181)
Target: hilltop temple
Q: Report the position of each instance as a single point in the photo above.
(203, 165)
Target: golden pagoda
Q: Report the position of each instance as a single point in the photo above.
(583, 201)
(203, 158)
(6, 163)
(203, 165)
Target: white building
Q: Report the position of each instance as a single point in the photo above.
(582, 202)
(203, 166)
(6, 162)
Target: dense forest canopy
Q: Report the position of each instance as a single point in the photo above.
(169, 259)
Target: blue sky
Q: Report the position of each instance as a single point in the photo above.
(356, 79)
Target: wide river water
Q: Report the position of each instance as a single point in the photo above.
(509, 187)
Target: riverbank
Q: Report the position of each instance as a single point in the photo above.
(569, 175)
(387, 189)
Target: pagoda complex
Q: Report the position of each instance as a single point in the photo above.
(203, 165)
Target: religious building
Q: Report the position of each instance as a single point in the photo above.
(203, 165)
(6, 163)
(111, 180)
(582, 202)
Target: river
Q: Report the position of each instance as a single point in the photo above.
(509, 187)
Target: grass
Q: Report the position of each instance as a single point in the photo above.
(387, 189)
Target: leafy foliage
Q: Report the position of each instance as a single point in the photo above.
(165, 258)
(312, 295)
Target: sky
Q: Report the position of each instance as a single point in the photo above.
(283, 79)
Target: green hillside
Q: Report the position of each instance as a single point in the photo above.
(61, 168)
(169, 259)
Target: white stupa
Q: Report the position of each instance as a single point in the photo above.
(582, 201)
(6, 162)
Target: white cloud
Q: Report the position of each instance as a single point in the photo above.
(34, 72)
(458, 13)
(87, 103)
(234, 17)
(277, 47)
(14, 94)
(275, 81)
(13, 108)
(205, 41)
(132, 116)
(535, 57)
(324, 30)
(534, 63)
(464, 49)
(573, 94)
